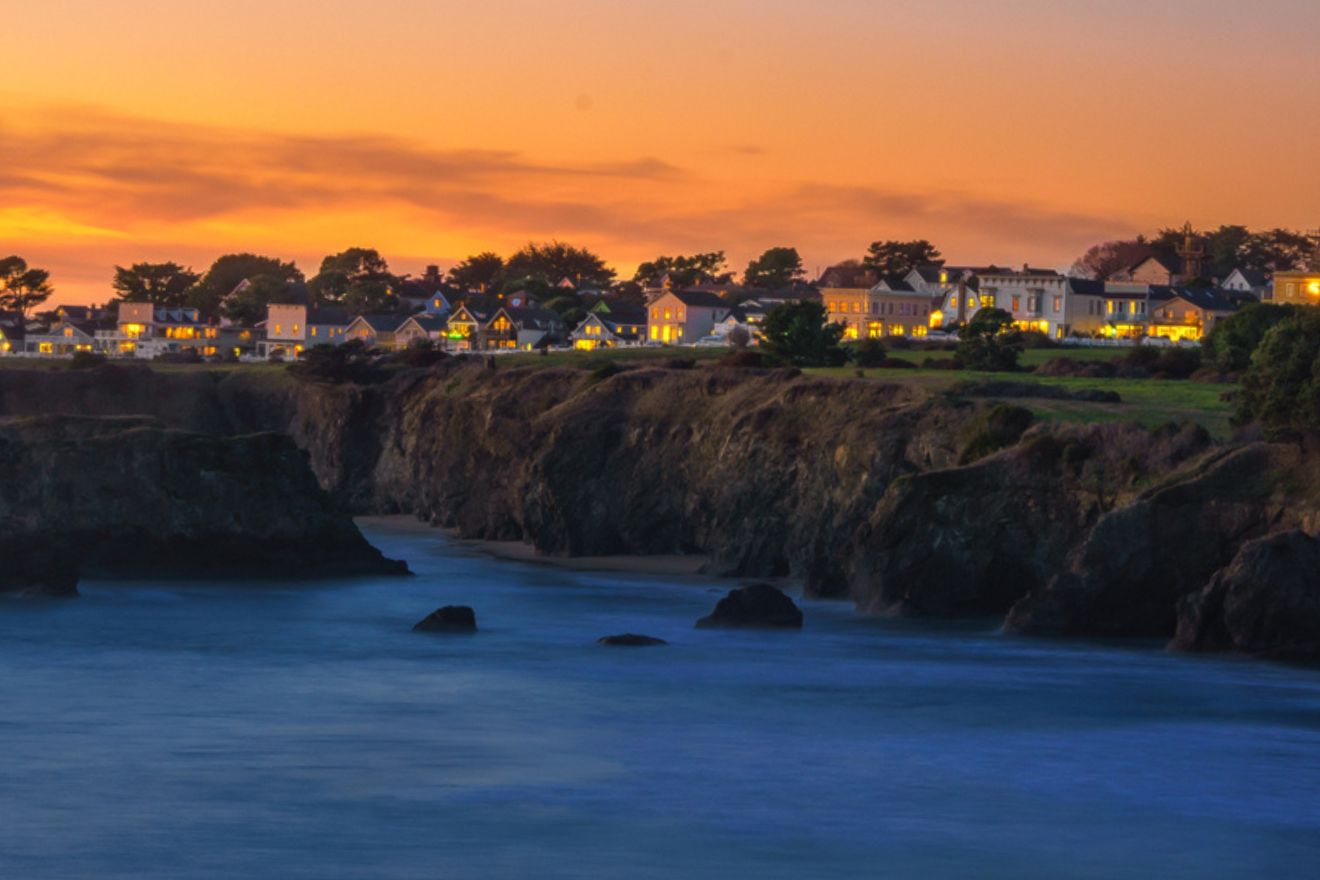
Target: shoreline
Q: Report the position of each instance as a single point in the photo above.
(516, 551)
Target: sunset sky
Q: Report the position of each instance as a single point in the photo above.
(1009, 131)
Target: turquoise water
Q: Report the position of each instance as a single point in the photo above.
(276, 731)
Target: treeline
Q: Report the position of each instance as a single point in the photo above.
(1226, 248)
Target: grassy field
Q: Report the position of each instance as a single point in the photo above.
(1149, 401)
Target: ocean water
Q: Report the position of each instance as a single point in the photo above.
(302, 731)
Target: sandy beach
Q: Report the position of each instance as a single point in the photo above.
(673, 564)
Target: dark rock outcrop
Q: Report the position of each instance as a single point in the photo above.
(449, 619)
(630, 640)
(1265, 602)
(124, 496)
(754, 606)
(1137, 563)
(974, 540)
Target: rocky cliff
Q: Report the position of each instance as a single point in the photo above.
(905, 500)
(123, 495)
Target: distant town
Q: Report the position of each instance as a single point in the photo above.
(1170, 289)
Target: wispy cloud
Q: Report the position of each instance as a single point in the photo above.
(171, 186)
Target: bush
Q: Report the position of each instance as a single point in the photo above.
(739, 338)
(336, 364)
(187, 356)
(988, 342)
(86, 360)
(994, 429)
(1165, 363)
(420, 353)
(750, 360)
(867, 353)
(1281, 388)
(796, 333)
(1232, 341)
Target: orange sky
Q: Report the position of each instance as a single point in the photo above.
(1010, 131)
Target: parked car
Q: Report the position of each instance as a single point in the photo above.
(711, 342)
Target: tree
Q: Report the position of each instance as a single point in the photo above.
(358, 278)
(553, 262)
(163, 284)
(796, 332)
(480, 272)
(231, 270)
(1234, 339)
(247, 304)
(707, 268)
(778, 267)
(989, 343)
(22, 287)
(1281, 388)
(901, 257)
(1103, 261)
(739, 338)
(1277, 250)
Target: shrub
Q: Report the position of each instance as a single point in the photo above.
(1281, 388)
(350, 362)
(867, 353)
(420, 353)
(739, 338)
(1231, 341)
(743, 359)
(86, 360)
(994, 429)
(796, 333)
(988, 343)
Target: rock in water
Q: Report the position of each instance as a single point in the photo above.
(450, 619)
(754, 606)
(631, 640)
(1265, 602)
(126, 497)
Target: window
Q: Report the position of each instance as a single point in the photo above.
(680, 313)
(279, 330)
(314, 329)
(1017, 303)
(1058, 303)
(669, 314)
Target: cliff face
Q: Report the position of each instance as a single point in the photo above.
(853, 487)
(122, 495)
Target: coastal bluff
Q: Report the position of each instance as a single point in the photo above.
(906, 500)
(125, 496)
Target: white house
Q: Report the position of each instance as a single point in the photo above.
(292, 327)
(1044, 301)
(679, 316)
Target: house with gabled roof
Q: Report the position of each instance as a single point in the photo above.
(374, 331)
(1250, 282)
(609, 328)
(1186, 313)
(463, 329)
(684, 316)
(421, 326)
(523, 328)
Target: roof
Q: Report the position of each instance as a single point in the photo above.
(1253, 277)
(1172, 265)
(1086, 286)
(699, 298)
(530, 317)
(382, 323)
(328, 315)
(1206, 298)
(428, 322)
(624, 315)
(893, 284)
(846, 276)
